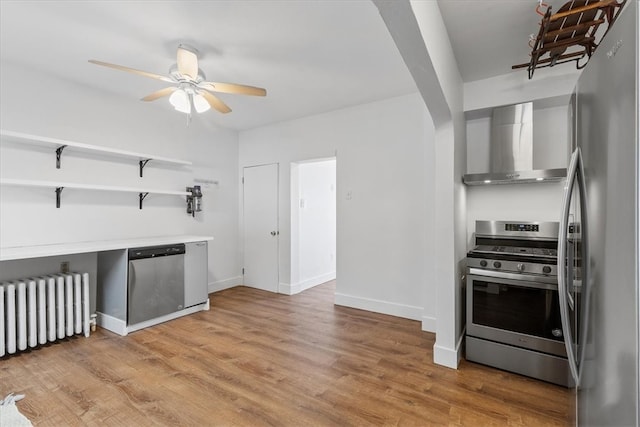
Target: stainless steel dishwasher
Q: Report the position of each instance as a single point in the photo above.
(155, 282)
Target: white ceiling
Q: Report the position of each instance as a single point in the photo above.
(311, 56)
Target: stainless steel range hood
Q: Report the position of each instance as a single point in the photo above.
(516, 177)
(511, 150)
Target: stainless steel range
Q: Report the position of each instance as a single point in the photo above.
(513, 314)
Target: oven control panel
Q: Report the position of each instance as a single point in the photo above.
(522, 227)
(543, 230)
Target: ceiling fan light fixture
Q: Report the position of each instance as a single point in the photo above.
(180, 101)
(201, 105)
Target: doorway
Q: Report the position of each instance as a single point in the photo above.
(313, 223)
(260, 220)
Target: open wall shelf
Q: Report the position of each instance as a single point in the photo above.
(59, 186)
(64, 145)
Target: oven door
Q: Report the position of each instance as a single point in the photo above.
(515, 309)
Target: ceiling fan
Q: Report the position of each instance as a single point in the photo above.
(190, 85)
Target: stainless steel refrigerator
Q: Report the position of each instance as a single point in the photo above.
(599, 233)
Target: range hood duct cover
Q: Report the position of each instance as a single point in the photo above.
(511, 150)
(512, 138)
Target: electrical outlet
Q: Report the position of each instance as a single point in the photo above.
(64, 267)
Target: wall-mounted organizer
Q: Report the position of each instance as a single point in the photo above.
(62, 145)
(194, 200)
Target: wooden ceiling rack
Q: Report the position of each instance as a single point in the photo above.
(570, 34)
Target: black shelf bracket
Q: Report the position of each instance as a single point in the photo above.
(58, 156)
(143, 163)
(141, 196)
(58, 193)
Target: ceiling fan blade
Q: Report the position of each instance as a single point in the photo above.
(187, 62)
(215, 102)
(159, 94)
(132, 70)
(234, 88)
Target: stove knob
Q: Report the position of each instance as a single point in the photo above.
(497, 264)
(520, 267)
(546, 269)
(483, 263)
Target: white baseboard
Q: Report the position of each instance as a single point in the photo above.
(449, 357)
(296, 288)
(221, 285)
(378, 306)
(111, 323)
(285, 288)
(429, 324)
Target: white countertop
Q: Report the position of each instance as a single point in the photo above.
(24, 252)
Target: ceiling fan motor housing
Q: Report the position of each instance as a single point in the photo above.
(176, 75)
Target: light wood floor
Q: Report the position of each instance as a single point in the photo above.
(259, 358)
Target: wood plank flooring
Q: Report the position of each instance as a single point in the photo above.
(263, 359)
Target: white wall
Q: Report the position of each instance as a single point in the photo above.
(40, 104)
(313, 224)
(384, 154)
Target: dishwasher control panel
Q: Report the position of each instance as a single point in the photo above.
(156, 251)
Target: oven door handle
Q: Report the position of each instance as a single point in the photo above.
(535, 282)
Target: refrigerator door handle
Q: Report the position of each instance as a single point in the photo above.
(562, 267)
(585, 282)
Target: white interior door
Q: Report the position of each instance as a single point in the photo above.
(261, 227)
